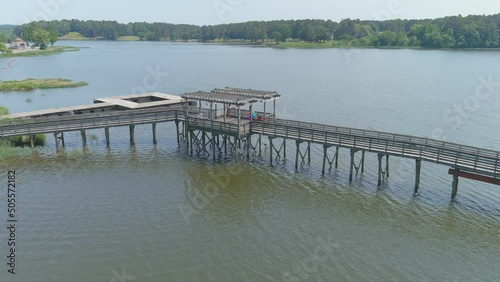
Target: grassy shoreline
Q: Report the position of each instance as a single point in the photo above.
(31, 84)
(284, 45)
(49, 51)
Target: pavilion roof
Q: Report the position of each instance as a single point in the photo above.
(216, 97)
(259, 94)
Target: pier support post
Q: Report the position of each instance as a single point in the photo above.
(363, 162)
(325, 151)
(455, 183)
(213, 145)
(379, 156)
(178, 132)
(271, 150)
(417, 175)
(337, 158)
(249, 143)
(106, 135)
(191, 133)
(132, 135)
(32, 141)
(84, 138)
(260, 145)
(56, 139)
(62, 139)
(284, 148)
(153, 127)
(387, 166)
(297, 155)
(309, 152)
(351, 167)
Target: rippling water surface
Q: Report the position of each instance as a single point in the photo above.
(153, 213)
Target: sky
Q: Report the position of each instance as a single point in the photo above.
(211, 12)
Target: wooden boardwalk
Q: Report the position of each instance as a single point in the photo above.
(464, 161)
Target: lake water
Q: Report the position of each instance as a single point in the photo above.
(153, 213)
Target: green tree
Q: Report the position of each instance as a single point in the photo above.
(41, 38)
(322, 34)
(277, 36)
(52, 34)
(308, 33)
(28, 31)
(4, 49)
(284, 30)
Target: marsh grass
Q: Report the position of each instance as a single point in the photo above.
(31, 84)
(48, 51)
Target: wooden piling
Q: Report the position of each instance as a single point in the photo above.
(84, 138)
(379, 156)
(132, 135)
(325, 151)
(106, 134)
(153, 127)
(418, 164)
(351, 167)
(455, 184)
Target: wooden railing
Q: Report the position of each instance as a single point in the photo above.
(470, 158)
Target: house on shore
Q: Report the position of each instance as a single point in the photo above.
(18, 44)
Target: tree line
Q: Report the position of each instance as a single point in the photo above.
(449, 32)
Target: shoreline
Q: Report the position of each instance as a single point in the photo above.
(291, 45)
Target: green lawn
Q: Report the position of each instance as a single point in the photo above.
(129, 38)
(32, 84)
(74, 36)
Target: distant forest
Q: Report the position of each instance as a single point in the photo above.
(449, 32)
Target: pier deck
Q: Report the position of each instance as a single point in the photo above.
(464, 161)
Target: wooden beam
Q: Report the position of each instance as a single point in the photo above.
(476, 177)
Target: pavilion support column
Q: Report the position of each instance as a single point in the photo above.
(225, 112)
(265, 110)
(418, 166)
(132, 135)
(84, 138)
(238, 141)
(274, 108)
(186, 125)
(153, 128)
(455, 183)
(106, 135)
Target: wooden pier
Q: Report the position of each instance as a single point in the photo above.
(230, 126)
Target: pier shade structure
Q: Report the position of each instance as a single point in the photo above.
(223, 122)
